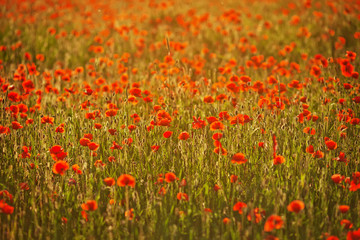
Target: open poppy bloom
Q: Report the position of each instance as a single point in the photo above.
(60, 167)
(331, 145)
(184, 136)
(296, 206)
(273, 222)
(353, 235)
(239, 158)
(85, 142)
(278, 160)
(126, 180)
(93, 146)
(170, 177)
(167, 134)
(109, 181)
(217, 125)
(182, 196)
(344, 208)
(239, 207)
(90, 205)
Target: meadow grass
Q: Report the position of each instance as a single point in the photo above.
(182, 67)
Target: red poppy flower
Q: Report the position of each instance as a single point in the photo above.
(126, 180)
(85, 142)
(5, 208)
(217, 125)
(155, 148)
(217, 136)
(93, 146)
(273, 222)
(170, 177)
(47, 119)
(239, 207)
(346, 224)
(90, 205)
(226, 220)
(184, 136)
(167, 134)
(129, 214)
(209, 99)
(88, 135)
(60, 167)
(239, 158)
(353, 235)
(337, 178)
(112, 131)
(16, 125)
(109, 181)
(182, 196)
(331, 145)
(344, 208)
(278, 160)
(111, 112)
(296, 206)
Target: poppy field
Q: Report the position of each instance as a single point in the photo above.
(186, 119)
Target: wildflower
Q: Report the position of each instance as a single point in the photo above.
(126, 180)
(90, 205)
(296, 206)
(60, 167)
(109, 181)
(273, 222)
(239, 158)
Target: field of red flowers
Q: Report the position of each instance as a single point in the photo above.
(179, 120)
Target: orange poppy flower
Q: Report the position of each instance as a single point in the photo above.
(97, 126)
(239, 158)
(90, 205)
(296, 206)
(109, 181)
(60, 167)
(126, 180)
(184, 136)
(273, 222)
